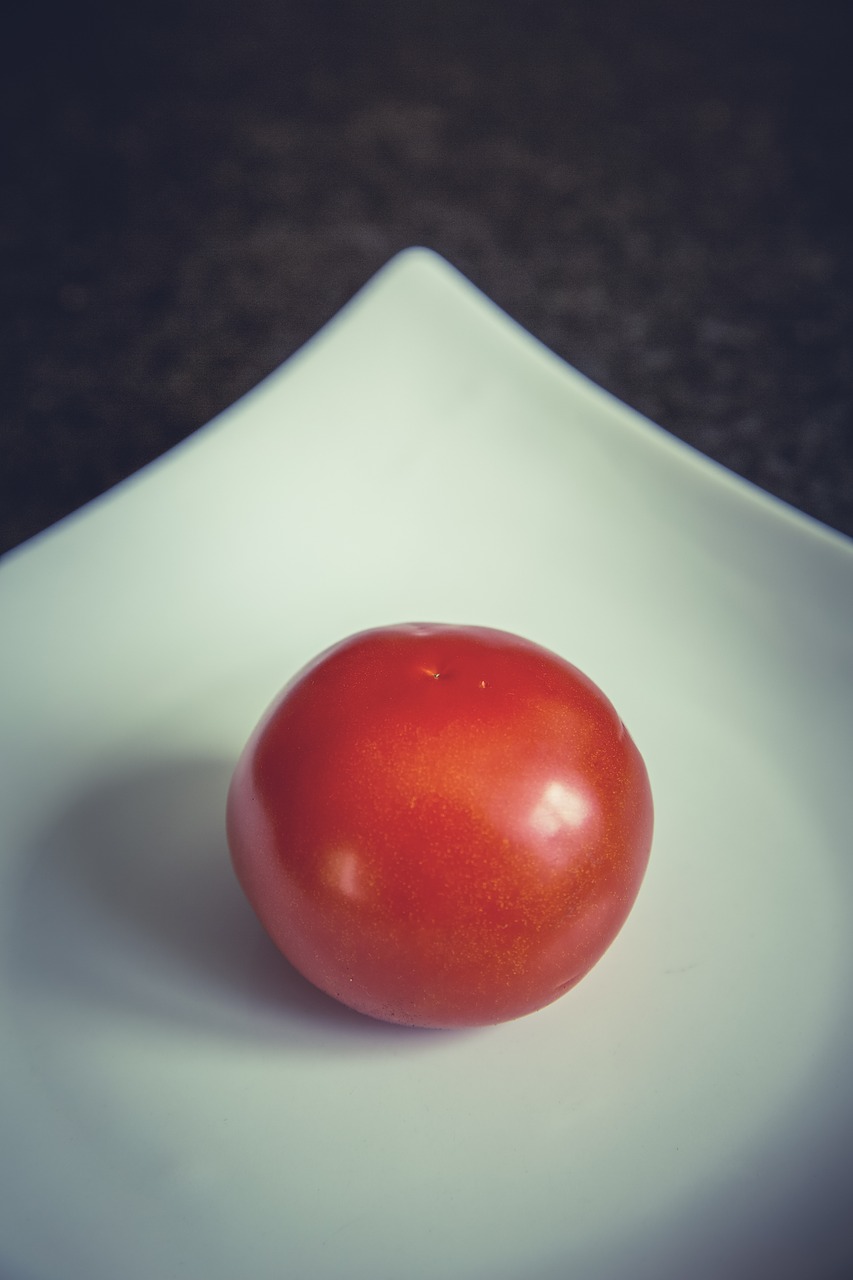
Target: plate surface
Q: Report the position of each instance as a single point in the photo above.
(174, 1100)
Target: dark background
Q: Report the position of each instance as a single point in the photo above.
(661, 191)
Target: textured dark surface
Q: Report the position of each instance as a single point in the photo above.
(660, 191)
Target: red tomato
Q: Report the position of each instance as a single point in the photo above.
(441, 826)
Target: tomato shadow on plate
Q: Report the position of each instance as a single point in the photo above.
(129, 902)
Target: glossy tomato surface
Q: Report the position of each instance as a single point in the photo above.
(441, 826)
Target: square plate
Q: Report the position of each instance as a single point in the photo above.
(174, 1100)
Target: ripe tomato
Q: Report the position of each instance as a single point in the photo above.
(441, 826)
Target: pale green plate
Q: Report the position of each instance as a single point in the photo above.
(174, 1101)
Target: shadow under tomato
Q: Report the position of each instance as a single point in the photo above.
(129, 902)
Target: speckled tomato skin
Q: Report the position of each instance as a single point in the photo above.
(441, 826)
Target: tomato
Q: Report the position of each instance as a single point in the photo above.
(441, 826)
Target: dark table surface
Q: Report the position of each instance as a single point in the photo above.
(661, 191)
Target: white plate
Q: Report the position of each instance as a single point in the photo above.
(174, 1101)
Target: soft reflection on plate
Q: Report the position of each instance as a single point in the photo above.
(174, 1100)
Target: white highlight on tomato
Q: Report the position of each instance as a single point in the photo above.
(559, 806)
(343, 872)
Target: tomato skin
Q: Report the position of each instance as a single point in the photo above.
(441, 826)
